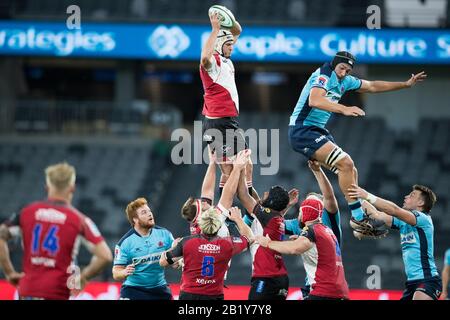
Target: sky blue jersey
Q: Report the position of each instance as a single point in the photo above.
(325, 78)
(417, 246)
(447, 258)
(144, 252)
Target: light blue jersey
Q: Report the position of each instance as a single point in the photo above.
(325, 78)
(144, 252)
(447, 257)
(417, 246)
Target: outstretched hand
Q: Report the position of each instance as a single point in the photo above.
(215, 21)
(357, 192)
(353, 112)
(416, 78)
(293, 197)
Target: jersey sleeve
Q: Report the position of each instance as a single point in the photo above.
(291, 227)
(90, 232)
(170, 239)
(308, 232)
(333, 221)
(239, 244)
(396, 223)
(320, 81)
(447, 257)
(214, 69)
(121, 257)
(422, 220)
(264, 215)
(352, 83)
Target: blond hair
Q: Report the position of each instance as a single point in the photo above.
(209, 221)
(60, 176)
(132, 207)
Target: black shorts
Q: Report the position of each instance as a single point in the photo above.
(193, 296)
(431, 287)
(224, 137)
(141, 293)
(308, 139)
(275, 288)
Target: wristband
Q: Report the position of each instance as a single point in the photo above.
(371, 198)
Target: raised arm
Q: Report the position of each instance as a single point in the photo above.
(209, 181)
(317, 99)
(208, 48)
(384, 86)
(375, 214)
(329, 199)
(229, 190)
(236, 30)
(244, 229)
(383, 205)
(244, 197)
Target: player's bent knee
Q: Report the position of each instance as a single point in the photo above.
(338, 158)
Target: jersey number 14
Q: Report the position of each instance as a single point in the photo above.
(50, 242)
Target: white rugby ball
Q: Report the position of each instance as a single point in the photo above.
(226, 16)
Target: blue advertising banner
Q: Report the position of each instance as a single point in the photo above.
(183, 42)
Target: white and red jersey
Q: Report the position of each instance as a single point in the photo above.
(267, 263)
(323, 263)
(206, 260)
(52, 232)
(221, 96)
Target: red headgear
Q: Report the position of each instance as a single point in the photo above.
(311, 209)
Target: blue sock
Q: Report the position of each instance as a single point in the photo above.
(356, 210)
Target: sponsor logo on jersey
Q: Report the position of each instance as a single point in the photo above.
(42, 261)
(50, 215)
(320, 138)
(237, 240)
(117, 253)
(322, 81)
(408, 238)
(148, 259)
(204, 281)
(209, 248)
(160, 244)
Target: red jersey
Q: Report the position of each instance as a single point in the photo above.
(323, 263)
(221, 96)
(206, 261)
(51, 232)
(267, 262)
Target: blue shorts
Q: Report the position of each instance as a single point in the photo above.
(308, 139)
(141, 293)
(431, 286)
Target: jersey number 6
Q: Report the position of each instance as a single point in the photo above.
(208, 266)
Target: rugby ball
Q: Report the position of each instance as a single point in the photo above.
(226, 16)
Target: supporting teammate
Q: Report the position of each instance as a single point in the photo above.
(52, 231)
(318, 100)
(416, 228)
(320, 251)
